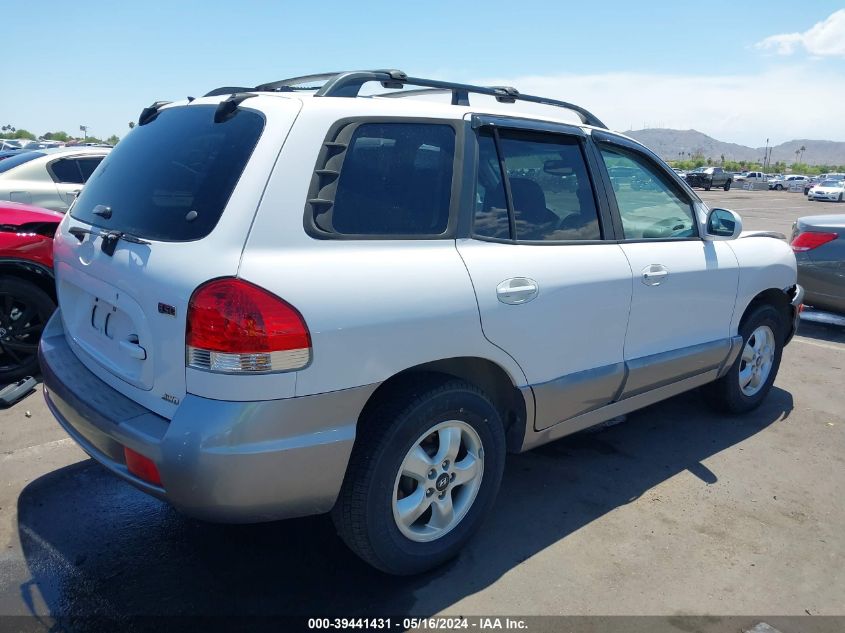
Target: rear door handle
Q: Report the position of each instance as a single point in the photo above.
(655, 274)
(517, 290)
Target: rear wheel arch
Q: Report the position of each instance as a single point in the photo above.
(482, 373)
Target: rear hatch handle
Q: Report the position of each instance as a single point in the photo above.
(133, 349)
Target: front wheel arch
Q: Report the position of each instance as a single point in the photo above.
(774, 297)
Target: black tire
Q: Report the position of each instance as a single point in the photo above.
(707, 187)
(778, 187)
(839, 199)
(363, 513)
(728, 186)
(24, 311)
(725, 394)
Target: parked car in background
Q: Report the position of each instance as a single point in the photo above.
(184, 362)
(830, 190)
(812, 182)
(819, 245)
(41, 144)
(27, 290)
(756, 176)
(8, 153)
(787, 182)
(709, 177)
(6, 143)
(48, 178)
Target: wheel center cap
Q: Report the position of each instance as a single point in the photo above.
(442, 482)
(2, 332)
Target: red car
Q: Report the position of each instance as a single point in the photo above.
(27, 288)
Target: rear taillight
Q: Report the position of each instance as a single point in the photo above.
(810, 240)
(236, 327)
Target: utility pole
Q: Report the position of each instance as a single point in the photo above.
(84, 130)
(766, 156)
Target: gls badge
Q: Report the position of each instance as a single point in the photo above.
(170, 399)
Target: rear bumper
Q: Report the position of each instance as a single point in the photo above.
(219, 461)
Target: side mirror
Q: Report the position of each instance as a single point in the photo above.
(723, 224)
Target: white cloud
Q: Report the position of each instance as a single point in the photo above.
(823, 39)
(744, 109)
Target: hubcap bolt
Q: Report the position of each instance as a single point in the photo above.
(445, 464)
(429, 492)
(442, 495)
(432, 474)
(452, 478)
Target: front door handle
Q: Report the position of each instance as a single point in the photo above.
(517, 290)
(655, 274)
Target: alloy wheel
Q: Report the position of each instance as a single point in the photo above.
(438, 481)
(21, 325)
(757, 359)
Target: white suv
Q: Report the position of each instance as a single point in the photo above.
(276, 302)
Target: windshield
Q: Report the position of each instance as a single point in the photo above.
(831, 183)
(170, 179)
(701, 170)
(18, 159)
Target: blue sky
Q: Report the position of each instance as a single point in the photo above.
(741, 74)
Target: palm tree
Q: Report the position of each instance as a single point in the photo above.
(797, 151)
(803, 149)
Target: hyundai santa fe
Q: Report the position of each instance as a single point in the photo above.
(292, 299)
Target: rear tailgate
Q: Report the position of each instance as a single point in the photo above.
(187, 187)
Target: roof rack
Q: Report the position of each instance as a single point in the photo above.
(349, 84)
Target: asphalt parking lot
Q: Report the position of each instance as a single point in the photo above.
(676, 511)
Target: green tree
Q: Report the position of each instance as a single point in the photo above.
(24, 134)
(56, 136)
(113, 139)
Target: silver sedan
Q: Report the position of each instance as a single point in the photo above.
(49, 178)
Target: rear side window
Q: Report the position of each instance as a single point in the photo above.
(66, 170)
(88, 165)
(550, 190)
(170, 179)
(395, 180)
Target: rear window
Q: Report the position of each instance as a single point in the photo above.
(170, 179)
(19, 159)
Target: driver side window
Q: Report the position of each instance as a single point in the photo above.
(649, 205)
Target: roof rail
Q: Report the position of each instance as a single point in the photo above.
(349, 84)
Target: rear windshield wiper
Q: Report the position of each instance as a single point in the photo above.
(110, 238)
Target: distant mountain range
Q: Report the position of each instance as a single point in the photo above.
(668, 143)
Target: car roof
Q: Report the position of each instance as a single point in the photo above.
(74, 149)
(414, 106)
